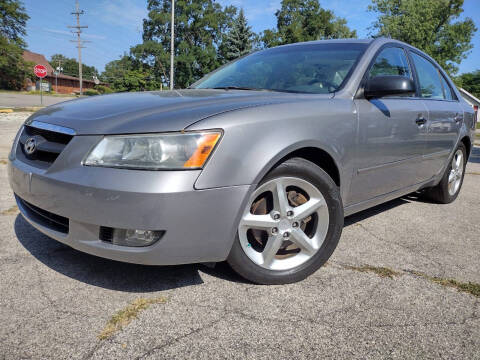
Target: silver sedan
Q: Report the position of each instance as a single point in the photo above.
(257, 163)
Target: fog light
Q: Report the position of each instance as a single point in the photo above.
(137, 238)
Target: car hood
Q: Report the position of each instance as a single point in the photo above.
(145, 112)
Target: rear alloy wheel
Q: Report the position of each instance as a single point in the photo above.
(447, 190)
(455, 176)
(290, 226)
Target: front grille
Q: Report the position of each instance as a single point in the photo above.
(44, 217)
(49, 145)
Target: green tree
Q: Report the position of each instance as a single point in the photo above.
(13, 20)
(239, 40)
(13, 69)
(127, 74)
(305, 20)
(470, 82)
(70, 66)
(199, 26)
(430, 25)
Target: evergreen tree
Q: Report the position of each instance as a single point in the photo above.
(239, 39)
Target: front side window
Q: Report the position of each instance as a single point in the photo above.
(428, 77)
(310, 68)
(390, 61)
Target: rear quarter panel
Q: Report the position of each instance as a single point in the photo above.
(256, 138)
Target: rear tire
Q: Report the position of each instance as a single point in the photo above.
(285, 244)
(449, 187)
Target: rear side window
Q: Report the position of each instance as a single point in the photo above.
(428, 77)
(390, 61)
(447, 89)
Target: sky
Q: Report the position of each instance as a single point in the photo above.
(116, 25)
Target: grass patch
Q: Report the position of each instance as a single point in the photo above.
(123, 317)
(468, 287)
(12, 211)
(3, 162)
(36, 92)
(381, 271)
(473, 173)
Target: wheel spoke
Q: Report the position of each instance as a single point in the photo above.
(257, 221)
(280, 201)
(302, 240)
(458, 161)
(451, 177)
(308, 208)
(271, 249)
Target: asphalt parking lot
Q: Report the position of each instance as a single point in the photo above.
(401, 285)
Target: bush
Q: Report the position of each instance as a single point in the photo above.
(91, 92)
(103, 89)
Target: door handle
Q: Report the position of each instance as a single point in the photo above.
(420, 120)
(458, 118)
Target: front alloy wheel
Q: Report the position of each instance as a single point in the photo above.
(284, 224)
(290, 225)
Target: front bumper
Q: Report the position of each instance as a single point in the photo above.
(199, 225)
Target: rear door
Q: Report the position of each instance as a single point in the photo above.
(390, 139)
(445, 115)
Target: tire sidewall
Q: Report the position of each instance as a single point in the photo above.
(310, 172)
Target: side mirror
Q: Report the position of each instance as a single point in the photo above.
(389, 85)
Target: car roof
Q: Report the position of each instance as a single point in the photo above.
(332, 41)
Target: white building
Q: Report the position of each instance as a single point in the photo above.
(472, 100)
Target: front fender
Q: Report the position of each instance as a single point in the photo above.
(255, 139)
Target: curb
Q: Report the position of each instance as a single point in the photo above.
(28, 109)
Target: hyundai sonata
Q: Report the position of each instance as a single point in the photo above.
(257, 163)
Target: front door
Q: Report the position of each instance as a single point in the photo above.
(391, 135)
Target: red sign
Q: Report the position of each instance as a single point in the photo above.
(40, 71)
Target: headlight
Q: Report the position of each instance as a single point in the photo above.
(188, 150)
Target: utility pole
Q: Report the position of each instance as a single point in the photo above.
(58, 70)
(79, 41)
(172, 44)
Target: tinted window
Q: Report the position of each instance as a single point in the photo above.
(313, 68)
(447, 89)
(391, 61)
(429, 78)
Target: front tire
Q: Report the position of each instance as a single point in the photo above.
(447, 190)
(290, 226)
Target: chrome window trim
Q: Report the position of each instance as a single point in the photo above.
(52, 127)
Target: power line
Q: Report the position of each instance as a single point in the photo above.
(79, 41)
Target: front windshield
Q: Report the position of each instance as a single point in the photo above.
(309, 68)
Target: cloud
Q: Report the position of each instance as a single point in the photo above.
(126, 13)
(69, 33)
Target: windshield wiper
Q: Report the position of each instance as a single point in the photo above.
(237, 88)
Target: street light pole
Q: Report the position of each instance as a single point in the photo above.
(172, 44)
